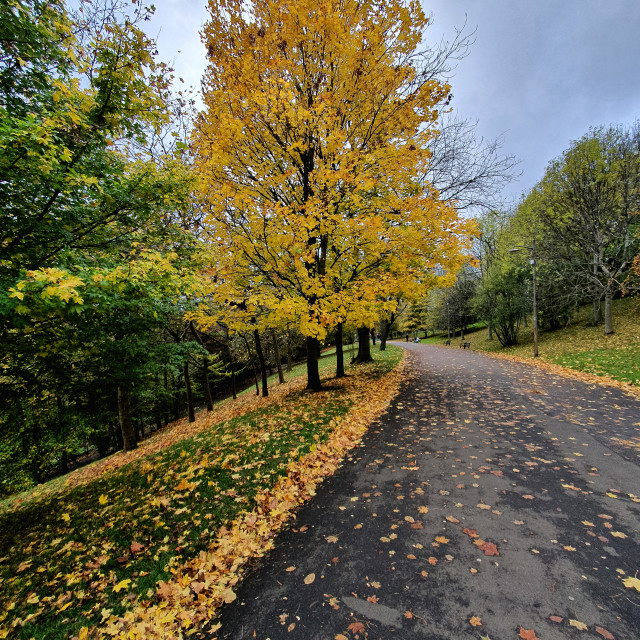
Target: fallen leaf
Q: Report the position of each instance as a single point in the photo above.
(432, 560)
(136, 547)
(310, 578)
(442, 539)
(123, 584)
(557, 619)
(527, 496)
(604, 633)
(332, 539)
(291, 568)
(528, 634)
(423, 509)
(578, 625)
(408, 615)
(356, 627)
(472, 533)
(103, 499)
(632, 583)
(453, 519)
(475, 621)
(373, 599)
(291, 627)
(488, 548)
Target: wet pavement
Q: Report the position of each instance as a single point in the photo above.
(492, 500)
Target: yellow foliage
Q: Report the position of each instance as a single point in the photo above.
(310, 153)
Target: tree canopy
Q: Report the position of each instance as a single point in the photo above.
(311, 150)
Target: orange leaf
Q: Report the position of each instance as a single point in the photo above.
(604, 633)
(475, 621)
(356, 627)
(488, 548)
(528, 634)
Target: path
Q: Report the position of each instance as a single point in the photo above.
(492, 500)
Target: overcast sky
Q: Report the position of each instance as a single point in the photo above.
(540, 73)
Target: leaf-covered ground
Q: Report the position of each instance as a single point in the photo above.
(149, 544)
(492, 500)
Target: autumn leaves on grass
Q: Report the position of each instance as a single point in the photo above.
(152, 549)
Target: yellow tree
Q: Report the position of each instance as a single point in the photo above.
(315, 134)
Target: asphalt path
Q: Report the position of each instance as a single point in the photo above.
(492, 500)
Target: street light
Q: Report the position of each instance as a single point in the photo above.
(535, 303)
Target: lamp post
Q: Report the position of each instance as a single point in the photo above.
(532, 248)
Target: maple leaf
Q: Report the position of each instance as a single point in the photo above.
(103, 499)
(332, 539)
(632, 583)
(423, 509)
(488, 548)
(442, 539)
(123, 584)
(578, 625)
(475, 621)
(528, 634)
(356, 628)
(472, 533)
(136, 547)
(373, 599)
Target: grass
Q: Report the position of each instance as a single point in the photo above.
(582, 346)
(71, 556)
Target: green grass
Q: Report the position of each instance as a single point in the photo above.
(70, 558)
(583, 346)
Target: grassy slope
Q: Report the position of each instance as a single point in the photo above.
(75, 553)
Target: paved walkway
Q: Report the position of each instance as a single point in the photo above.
(492, 500)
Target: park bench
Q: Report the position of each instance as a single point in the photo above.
(465, 345)
(447, 343)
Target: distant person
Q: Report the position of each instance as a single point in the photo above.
(407, 337)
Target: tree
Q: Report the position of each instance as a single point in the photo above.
(583, 211)
(87, 217)
(311, 150)
(504, 300)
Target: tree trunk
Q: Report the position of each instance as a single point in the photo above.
(364, 346)
(176, 397)
(489, 331)
(597, 311)
(373, 335)
(263, 367)
(208, 398)
(313, 372)
(339, 352)
(608, 317)
(189, 390)
(276, 350)
(384, 333)
(165, 400)
(289, 354)
(126, 423)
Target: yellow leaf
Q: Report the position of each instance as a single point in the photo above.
(578, 625)
(310, 578)
(66, 517)
(632, 583)
(123, 584)
(103, 499)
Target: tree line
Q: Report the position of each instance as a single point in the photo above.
(153, 257)
(579, 224)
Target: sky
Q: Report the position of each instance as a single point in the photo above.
(539, 74)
